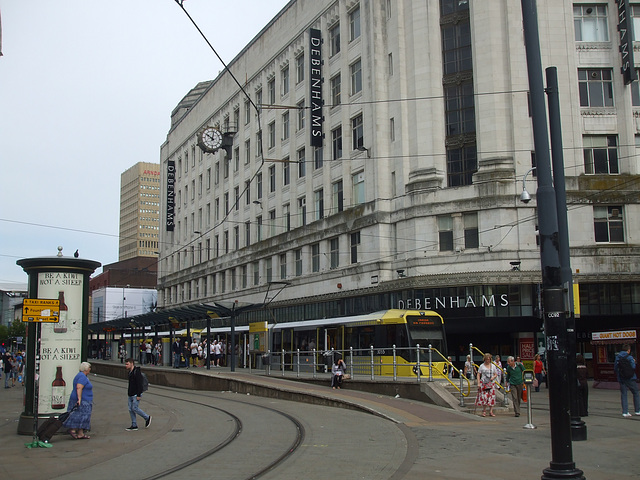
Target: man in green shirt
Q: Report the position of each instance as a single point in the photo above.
(515, 380)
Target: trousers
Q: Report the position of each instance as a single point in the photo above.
(134, 409)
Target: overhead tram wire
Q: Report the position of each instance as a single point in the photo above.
(259, 119)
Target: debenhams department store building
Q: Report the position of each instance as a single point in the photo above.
(375, 160)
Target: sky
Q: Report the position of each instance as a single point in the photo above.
(86, 91)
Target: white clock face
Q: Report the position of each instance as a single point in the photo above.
(212, 138)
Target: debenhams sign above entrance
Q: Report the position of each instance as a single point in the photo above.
(435, 303)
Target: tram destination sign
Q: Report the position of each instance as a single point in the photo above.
(41, 310)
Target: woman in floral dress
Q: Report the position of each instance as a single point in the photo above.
(487, 374)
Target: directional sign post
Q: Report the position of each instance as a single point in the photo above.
(41, 310)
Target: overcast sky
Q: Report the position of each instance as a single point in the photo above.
(86, 91)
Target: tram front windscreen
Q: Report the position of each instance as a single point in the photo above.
(427, 330)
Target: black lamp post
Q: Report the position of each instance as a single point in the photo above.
(561, 465)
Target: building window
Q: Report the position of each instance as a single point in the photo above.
(285, 126)
(445, 233)
(608, 224)
(226, 241)
(226, 203)
(357, 188)
(236, 159)
(271, 129)
(302, 165)
(272, 223)
(298, 261)
(286, 168)
(635, 14)
(256, 273)
(596, 87)
(354, 24)
(268, 264)
(301, 112)
(470, 221)
(462, 163)
(318, 204)
(247, 152)
(285, 80)
(335, 84)
(635, 86)
(271, 91)
(302, 210)
(456, 47)
(600, 154)
(259, 186)
(283, 266)
(300, 68)
(236, 237)
(247, 192)
(247, 112)
(357, 132)
(259, 143)
(315, 257)
(337, 201)
(236, 194)
(272, 178)
(336, 143)
(392, 129)
(217, 209)
(247, 234)
(334, 248)
(200, 183)
(286, 213)
(460, 109)
(259, 228)
(334, 39)
(390, 64)
(355, 72)
(317, 158)
(590, 23)
(355, 243)
(223, 282)
(244, 275)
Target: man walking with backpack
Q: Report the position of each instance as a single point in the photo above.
(134, 393)
(625, 368)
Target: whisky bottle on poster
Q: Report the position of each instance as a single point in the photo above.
(57, 390)
(61, 326)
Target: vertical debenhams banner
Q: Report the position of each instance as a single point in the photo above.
(63, 345)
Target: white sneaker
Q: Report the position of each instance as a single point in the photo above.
(626, 414)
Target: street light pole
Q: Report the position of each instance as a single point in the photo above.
(561, 465)
(578, 427)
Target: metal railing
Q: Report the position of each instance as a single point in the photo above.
(368, 362)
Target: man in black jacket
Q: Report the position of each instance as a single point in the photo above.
(134, 393)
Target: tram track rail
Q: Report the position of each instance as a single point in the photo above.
(227, 441)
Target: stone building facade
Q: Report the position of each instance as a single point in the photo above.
(412, 197)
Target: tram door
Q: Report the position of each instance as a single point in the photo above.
(333, 340)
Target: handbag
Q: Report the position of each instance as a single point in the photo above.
(536, 384)
(346, 376)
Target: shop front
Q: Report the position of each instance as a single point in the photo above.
(605, 347)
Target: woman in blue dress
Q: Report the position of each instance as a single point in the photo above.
(82, 396)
